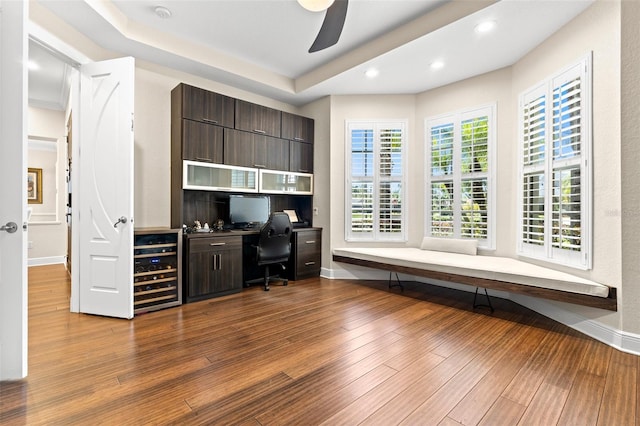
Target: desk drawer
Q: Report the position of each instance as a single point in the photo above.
(307, 254)
(197, 245)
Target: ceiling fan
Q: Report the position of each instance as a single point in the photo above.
(333, 23)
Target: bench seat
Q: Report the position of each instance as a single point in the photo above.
(490, 272)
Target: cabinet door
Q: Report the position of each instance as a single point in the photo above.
(257, 119)
(271, 153)
(238, 148)
(297, 128)
(203, 105)
(202, 142)
(215, 267)
(300, 157)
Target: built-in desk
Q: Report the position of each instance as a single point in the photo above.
(218, 263)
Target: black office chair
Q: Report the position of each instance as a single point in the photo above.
(274, 247)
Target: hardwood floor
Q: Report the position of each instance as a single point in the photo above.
(319, 351)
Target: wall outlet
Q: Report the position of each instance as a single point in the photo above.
(315, 211)
(30, 244)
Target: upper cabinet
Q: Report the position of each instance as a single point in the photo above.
(297, 128)
(202, 142)
(205, 106)
(260, 119)
(255, 150)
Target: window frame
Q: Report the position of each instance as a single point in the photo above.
(376, 234)
(579, 259)
(456, 118)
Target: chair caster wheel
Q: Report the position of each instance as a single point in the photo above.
(285, 283)
(266, 289)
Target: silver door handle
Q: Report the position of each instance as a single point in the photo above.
(10, 227)
(121, 220)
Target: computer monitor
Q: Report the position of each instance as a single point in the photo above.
(248, 211)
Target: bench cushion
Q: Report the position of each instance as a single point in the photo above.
(488, 267)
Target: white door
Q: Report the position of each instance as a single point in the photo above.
(13, 135)
(104, 201)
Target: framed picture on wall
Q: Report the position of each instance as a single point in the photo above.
(34, 186)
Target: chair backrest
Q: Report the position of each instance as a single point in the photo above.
(274, 245)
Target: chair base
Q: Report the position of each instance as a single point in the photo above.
(267, 279)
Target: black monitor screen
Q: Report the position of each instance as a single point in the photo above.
(248, 211)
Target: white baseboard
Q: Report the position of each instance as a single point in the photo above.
(39, 261)
(622, 340)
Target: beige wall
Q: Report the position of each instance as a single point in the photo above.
(494, 87)
(630, 162)
(596, 30)
(48, 240)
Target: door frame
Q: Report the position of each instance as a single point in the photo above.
(74, 58)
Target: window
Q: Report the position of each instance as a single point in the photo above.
(459, 197)
(376, 183)
(555, 175)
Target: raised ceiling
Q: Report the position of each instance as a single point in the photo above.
(262, 45)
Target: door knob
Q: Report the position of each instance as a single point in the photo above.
(121, 220)
(10, 227)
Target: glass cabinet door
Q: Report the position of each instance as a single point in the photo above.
(277, 182)
(218, 177)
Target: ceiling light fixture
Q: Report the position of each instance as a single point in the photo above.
(436, 65)
(371, 73)
(162, 12)
(485, 27)
(316, 5)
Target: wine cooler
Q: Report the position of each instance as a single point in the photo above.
(157, 281)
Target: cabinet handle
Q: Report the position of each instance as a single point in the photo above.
(260, 165)
(217, 244)
(260, 131)
(310, 241)
(208, 160)
(309, 263)
(208, 120)
(299, 139)
(217, 261)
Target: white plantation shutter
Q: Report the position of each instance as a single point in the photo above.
(555, 168)
(459, 181)
(374, 207)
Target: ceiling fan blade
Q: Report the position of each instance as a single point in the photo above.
(331, 29)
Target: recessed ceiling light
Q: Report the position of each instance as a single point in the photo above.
(436, 65)
(485, 27)
(371, 73)
(162, 12)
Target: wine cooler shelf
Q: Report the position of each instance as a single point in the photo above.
(157, 264)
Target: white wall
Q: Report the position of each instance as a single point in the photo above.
(48, 240)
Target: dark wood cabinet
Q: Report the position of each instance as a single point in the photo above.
(300, 157)
(255, 118)
(202, 142)
(297, 128)
(306, 249)
(203, 105)
(255, 150)
(214, 266)
(157, 280)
